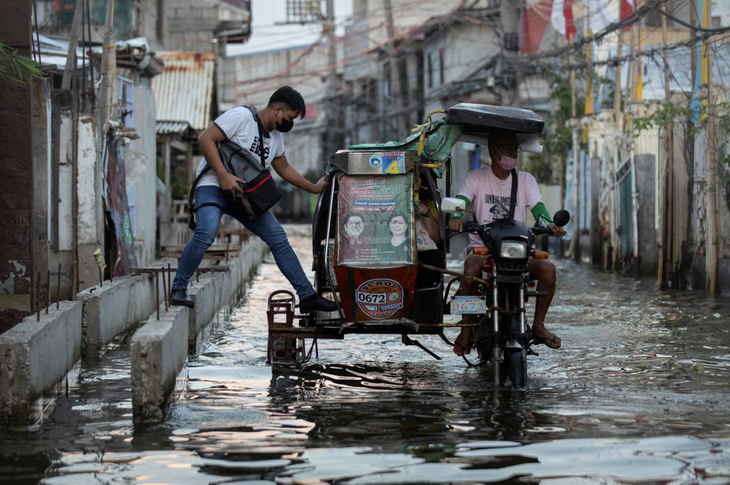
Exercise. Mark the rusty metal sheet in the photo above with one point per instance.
(184, 90)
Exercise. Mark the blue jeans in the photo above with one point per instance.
(265, 226)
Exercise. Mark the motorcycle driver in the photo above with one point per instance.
(487, 192)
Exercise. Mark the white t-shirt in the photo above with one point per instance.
(490, 197)
(239, 126)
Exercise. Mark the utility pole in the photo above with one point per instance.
(332, 136)
(577, 125)
(635, 256)
(510, 20)
(109, 61)
(394, 84)
(618, 114)
(617, 91)
(665, 252)
(711, 253)
(70, 70)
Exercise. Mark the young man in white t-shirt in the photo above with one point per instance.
(488, 191)
(239, 125)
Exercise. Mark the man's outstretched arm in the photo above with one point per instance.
(290, 174)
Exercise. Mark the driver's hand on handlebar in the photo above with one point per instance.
(229, 183)
(557, 231)
(456, 225)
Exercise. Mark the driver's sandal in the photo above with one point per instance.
(544, 341)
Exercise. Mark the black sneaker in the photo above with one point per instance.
(316, 303)
(179, 297)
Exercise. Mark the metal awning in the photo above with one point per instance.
(184, 90)
(172, 127)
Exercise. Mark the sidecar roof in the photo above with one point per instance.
(479, 119)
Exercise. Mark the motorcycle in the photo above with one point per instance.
(501, 335)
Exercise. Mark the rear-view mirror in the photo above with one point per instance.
(561, 218)
(452, 205)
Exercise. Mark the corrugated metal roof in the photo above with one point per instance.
(184, 90)
(171, 127)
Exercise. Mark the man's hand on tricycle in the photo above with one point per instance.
(456, 225)
(321, 185)
(557, 230)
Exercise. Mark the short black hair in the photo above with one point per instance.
(397, 214)
(350, 215)
(497, 136)
(291, 97)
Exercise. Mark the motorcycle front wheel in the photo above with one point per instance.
(514, 368)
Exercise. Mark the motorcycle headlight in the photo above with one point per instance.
(513, 250)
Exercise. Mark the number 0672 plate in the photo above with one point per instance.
(468, 305)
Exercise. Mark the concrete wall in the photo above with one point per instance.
(242, 75)
(141, 172)
(215, 291)
(595, 251)
(114, 308)
(90, 224)
(159, 348)
(699, 275)
(648, 252)
(465, 47)
(157, 355)
(16, 184)
(34, 356)
(189, 24)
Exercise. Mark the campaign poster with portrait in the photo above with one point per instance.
(375, 220)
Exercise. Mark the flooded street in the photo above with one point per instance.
(639, 393)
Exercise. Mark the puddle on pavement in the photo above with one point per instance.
(638, 394)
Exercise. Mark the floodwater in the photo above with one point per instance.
(638, 394)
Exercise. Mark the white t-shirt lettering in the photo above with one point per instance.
(240, 127)
(490, 197)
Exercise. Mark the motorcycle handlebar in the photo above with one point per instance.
(539, 230)
(474, 227)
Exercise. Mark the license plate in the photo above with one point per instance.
(461, 305)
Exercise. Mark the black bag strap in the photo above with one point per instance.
(191, 199)
(513, 197)
(260, 125)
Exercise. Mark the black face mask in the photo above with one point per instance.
(285, 126)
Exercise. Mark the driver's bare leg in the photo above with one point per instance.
(472, 267)
(544, 272)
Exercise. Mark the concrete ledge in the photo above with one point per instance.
(113, 308)
(207, 294)
(215, 291)
(34, 356)
(160, 347)
(158, 351)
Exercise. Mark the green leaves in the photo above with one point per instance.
(666, 115)
(15, 68)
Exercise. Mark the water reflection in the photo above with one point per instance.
(638, 394)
